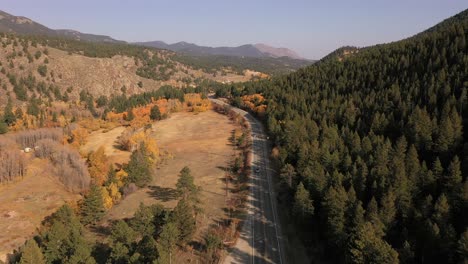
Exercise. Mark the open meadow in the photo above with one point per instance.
(199, 141)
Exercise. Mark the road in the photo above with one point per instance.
(261, 239)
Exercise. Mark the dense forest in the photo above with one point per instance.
(212, 63)
(373, 150)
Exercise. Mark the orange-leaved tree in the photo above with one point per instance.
(98, 166)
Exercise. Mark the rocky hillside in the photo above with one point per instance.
(27, 63)
(277, 52)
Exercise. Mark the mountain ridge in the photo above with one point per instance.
(25, 26)
(247, 50)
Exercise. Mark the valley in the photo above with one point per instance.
(137, 151)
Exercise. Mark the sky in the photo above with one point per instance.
(311, 28)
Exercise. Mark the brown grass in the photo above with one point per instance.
(24, 204)
(199, 141)
(108, 141)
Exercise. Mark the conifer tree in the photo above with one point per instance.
(453, 178)
(92, 209)
(334, 204)
(303, 205)
(184, 218)
(288, 174)
(8, 116)
(31, 253)
(186, 187)
(155, 113)
(167, 243)
(139, 167)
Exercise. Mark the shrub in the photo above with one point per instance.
(42, 70)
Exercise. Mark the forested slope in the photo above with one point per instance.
(373, 148)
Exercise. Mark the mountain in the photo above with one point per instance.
(25, 26)
(248, 50)
(277, 52)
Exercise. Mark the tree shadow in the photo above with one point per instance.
(162, 193)
(227, 169)
(100, 229)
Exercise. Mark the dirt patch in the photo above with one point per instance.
(24, 204)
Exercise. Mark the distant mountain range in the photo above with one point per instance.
(25, 26)
(248, 50)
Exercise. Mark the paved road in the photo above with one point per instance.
(261, 239)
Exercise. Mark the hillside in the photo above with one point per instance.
(101, 69)
(373, 148)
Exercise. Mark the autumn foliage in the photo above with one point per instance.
(255, 102)
(98, 166)
(195, 103)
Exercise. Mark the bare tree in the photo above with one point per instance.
(70, 168)
(29, 138)
(12, 165)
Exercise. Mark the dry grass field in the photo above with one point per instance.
(108, 141)
(199, 141)
(24, 204)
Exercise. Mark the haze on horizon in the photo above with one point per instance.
(311, 29)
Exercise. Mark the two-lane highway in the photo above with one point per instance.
(261, 239)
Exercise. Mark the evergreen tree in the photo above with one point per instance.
(92, 209)
(8, 116)
(155, 114)
(122, 233)
(303, 205)
(147, 249)
(212, 243)
(31, 253)
(370, 248)
(462, 246)
(388, 211)
(167, 243)
(185, 185)
(3, 127)
(334, 204)
(441, 211)
(288, 174)
(139, 167)
(453, 178)
(183, 217)
(149, 219)
(130, 115)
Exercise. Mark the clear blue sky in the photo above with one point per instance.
(312, 28)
